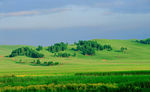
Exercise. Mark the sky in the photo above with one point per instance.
(45, 22)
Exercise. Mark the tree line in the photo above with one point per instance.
(57, 47)
(86, 48)
(64, 55)
(26, 51)
(145, 41)
(90, 47)
(45, 63)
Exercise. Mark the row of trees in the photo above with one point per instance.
(46, 63)
(58, 47)
(90, 47)
(86, 47)
(123, 49)
(64, 54)
(145, 41)
(26, 51)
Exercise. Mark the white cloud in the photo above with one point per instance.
(76, 16)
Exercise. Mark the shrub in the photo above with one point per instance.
(123, 49)
(39, 48)
(108, 47)
(89, 47)
(50, 63)
(62, 55)
(25, 51)
(57, 47)
(56, 63)
(45, 63)
(38, 62)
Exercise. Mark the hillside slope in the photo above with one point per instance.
(135, 58)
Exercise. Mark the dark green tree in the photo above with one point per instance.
(57, 47)
(26, 51)
(145, 41)
(38, 62)
(39, 48)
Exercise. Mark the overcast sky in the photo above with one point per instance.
(44, 22)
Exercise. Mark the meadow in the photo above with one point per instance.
(107, 71)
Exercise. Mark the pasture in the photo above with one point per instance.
(109, 69)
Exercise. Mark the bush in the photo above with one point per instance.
(62, 55)
(49, 63)
(56, 63)
(57, 47)
(38, 62)
(25, 51)
(123, 49)
(39, 48)
(74, 54)
(108, 47)
(88, 51)
(89, 47)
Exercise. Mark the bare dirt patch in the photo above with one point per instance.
(104, 60)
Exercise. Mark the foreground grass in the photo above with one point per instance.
(81, 73)
(118, 83)
(114, 73)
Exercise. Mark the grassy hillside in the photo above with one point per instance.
(107, 71)
(136, 58)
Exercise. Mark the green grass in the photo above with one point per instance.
(136, 58)
(114, 73)
(86, 83)
(131, 68)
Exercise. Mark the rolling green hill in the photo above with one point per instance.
(135, 58)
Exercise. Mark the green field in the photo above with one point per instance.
(80, 69)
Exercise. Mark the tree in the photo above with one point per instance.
(63, 55)
(89, 47)
(50, 63)
(74, 54)
(26, 51)
(108, 47)
(145, 41)
(39, 48)
(88, 51)
(123, 49)
(57, 47)
(38, 62)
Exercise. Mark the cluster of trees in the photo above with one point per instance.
(107, 47)
(39, 48)
(58, 47)
(145, 41)
(25, 51)
(46, 63)
(123, 49)
(64, 54)
(89, 47)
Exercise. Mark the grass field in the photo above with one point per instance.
(80, 69)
